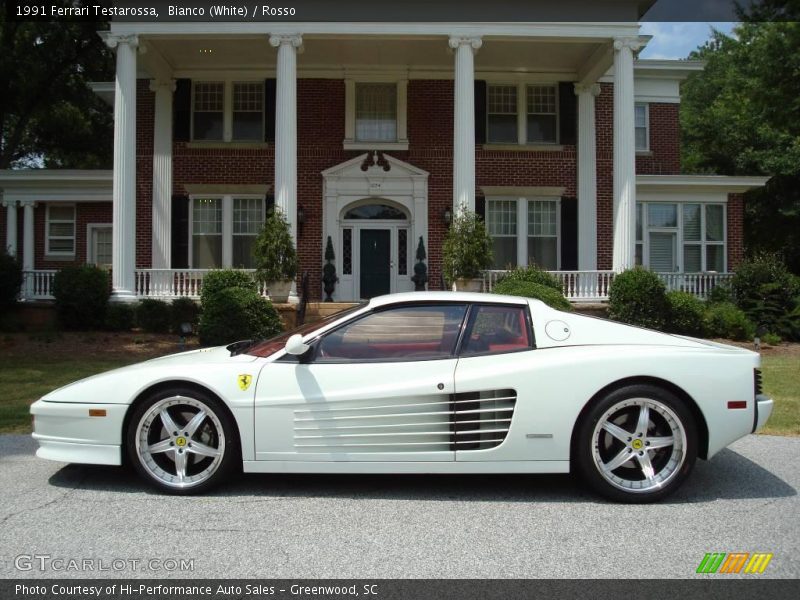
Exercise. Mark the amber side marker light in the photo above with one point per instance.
(97, 412)
(737, 404)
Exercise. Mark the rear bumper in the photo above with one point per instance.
(763, 407)
(66, 433)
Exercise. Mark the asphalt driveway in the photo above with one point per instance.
(293, 526)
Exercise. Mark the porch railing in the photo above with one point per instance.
(176, 283)
(37, 285)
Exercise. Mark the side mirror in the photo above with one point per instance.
(295, 345)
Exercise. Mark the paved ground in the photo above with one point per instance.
(745, 499)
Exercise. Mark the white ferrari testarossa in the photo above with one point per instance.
(425, 382)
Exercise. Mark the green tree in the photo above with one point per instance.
(741, 116)
(48, 114)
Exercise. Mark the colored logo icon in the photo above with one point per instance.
(734, 562)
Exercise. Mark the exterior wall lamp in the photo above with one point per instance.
(447, 216)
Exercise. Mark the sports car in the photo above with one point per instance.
(423, 382)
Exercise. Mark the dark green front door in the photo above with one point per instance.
(375, 262)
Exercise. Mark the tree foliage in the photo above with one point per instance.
(741, 116)
(48, 114)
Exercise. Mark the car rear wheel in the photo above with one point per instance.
(637, 444)
(182, 441)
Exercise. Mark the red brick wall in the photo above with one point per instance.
(604, 121)
(145, 114)
(85, 213)
(735, 230)
(664, 157)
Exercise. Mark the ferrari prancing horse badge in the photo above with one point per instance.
(244, 381)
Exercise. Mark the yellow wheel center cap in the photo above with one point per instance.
(181, 441)
(637, 444)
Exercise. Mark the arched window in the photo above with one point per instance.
(375, 211)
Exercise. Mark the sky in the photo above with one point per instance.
(676, 40)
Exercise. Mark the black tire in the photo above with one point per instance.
(208, 454)
(620, 411)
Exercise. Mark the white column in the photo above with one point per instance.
(286, 127)
(624, 155)
(27, 235)
(587, 178)
(162, 174)
(11, 226)
(124, 186)
(464, 123)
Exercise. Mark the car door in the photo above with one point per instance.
(495, 397)
(377, 388)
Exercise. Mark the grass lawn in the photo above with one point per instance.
(31, 366)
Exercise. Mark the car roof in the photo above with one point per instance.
(447, 297)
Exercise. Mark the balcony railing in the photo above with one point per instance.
(578, 286)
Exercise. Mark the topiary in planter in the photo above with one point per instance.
(81, 296)
(529, 289)
(234, 314)
(274, 251)
(467, 248)
(420, 277)
(686, 314)
(153, 315)
(638, 297)
(329, 278)
(10, 279)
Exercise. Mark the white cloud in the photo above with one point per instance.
(677, 40)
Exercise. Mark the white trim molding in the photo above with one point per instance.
(729, 184)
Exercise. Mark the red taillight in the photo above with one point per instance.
(737, 404)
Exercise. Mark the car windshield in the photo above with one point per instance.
(269, 346)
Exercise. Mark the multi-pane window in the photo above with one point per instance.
(542, 119)
(60, 230)
(501, 222)
(248, 111)
(502, 114)
(543, 234)
(527, 237)
(674, 237)
(209, 110)
(641, 126)
(376, 112)
(248, 218)
(207, 233)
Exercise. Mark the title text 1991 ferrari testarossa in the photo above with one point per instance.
(426, 382)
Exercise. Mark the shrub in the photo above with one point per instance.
(233, 314)
(766, 291)
(726, 320)
(534, 274)
(771, 339)
(10, 279)
(529, 289)
(221, 279)
(274, 251)
(153, 315)
(183, 310)
(120, 316)
(638, 297)
(467, 248)
(81, 296)
(686, 314)
(720, 293)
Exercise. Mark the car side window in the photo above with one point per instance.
(405, 333)
(497, 329)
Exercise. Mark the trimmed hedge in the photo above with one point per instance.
(221, 279)
(686, 314)
(10, 279)
(81, 296)
(235, 313)
(725, 320)
(638, 297)
(528, 289)
(534, 274)
(120, 316)
(183, 310)
(153, 315)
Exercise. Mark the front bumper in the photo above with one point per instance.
(66, 433)
(763, 411)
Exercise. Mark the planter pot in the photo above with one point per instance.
(279, 291)
(469, 285)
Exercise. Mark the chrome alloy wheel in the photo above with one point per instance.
(180, 442)
(639, 445)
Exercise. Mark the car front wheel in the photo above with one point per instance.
(637, 444)
(182, 441)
